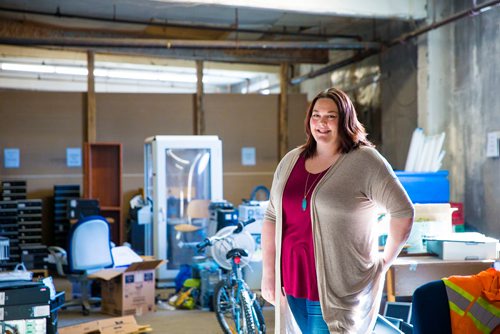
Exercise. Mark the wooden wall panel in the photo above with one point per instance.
(249, 120)
(244, 121)
(297, 108)
(130, 118)
(44, 124)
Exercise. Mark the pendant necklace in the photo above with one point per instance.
(307, 191)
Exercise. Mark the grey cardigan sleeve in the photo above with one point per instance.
(387, 191)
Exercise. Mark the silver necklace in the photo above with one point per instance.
(307, 191)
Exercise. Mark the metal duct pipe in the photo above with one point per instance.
(466, 13)
(186, 44)
(402, 39)
(183, 26)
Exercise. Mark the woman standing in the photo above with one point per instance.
(319, 236)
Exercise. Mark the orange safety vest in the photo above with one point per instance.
(474, 302)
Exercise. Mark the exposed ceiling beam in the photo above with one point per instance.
(150, 43)
(401, 9)
(13, 32)
(231, 51)
(266, 57)
(254, 52)
(177, 28)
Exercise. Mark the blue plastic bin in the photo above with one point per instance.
(426, 187)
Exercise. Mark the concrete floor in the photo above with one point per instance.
(164, 321)
(161, 321)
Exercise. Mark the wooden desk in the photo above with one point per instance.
(408, 273)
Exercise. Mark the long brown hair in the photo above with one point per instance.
(352, 133)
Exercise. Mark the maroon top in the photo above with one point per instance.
(298, 269)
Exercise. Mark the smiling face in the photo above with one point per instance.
(324, 122)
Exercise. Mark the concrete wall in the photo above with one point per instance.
(446, 81)
(476, 111)
(458, 85)
(398, 88)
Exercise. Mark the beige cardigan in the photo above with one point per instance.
(344, 209)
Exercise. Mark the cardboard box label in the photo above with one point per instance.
(41, 311)
(129, 279)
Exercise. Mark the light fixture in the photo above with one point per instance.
(217, 80)
(71, 70)
(27, 68)
(187, 76)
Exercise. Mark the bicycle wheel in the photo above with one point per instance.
(246, 305)
(232, 316)
(257, 310)
(228, 313)
(254, 320)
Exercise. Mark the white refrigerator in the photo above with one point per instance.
(178, 170)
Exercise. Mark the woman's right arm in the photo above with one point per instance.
(268, 260)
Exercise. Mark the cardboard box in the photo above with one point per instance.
(128, 291)
(431, 219)
(463, 246)
(119, 325)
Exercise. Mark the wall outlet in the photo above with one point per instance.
(492, 145)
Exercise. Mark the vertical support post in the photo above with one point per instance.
(389, 279)
(199, 113)
(91, 133)
(283, 112)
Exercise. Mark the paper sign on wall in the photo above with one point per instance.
(11, 158)
(73, 157)
(248, 156)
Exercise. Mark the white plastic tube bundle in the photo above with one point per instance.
(425, 153)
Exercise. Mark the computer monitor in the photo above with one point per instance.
(400, 310)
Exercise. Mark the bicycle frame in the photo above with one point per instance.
(235, 279)
(239, 301)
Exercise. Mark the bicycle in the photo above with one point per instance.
(235, 304)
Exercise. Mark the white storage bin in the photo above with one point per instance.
(430, 220)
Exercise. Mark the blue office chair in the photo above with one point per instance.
(89, 250)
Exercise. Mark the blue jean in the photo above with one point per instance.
(307, 314)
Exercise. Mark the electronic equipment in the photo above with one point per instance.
(79, 208)
(399, 310)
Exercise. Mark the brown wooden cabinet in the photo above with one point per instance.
(103, 181)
